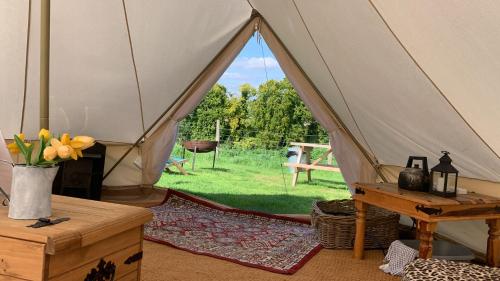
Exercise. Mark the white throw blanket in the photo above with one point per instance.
(397, 257)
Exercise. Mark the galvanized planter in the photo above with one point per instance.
(30, 195)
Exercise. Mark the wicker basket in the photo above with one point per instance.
(335, 223)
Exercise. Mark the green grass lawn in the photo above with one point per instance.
(254, 180)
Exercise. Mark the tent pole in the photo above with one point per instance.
(44, 63)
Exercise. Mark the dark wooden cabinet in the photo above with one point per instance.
(82, 178)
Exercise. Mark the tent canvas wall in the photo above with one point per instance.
(397, 78)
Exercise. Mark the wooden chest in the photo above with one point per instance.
(99, 239)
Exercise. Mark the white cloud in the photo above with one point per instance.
(234, 75)
(257, 62)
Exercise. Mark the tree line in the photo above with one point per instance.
(270, 116)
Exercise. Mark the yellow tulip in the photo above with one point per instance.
(45, 134)
(49, 153)
(74, 155)
(55, 143)
(65, 139)
(13, 148)
(65, 151)
(82, 142)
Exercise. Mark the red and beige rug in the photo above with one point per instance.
(274, 243)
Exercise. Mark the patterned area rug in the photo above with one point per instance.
(273, 243)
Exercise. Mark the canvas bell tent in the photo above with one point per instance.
(386, 78)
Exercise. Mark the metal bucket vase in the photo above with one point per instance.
(30, 195)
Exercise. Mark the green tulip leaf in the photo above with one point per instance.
(24, 149)
(43, 144)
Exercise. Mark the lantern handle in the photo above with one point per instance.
(445, 152)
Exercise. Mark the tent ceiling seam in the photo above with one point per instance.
(134, 64)
(248, 1)
(335, 82)
(26, 62)
(430, 80)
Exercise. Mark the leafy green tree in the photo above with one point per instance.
(269, 117)
(237, 113)
(200, 124)
(280, 116)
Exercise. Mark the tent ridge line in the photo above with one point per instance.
(335, 82)
(26, 63)
(336, 117)
(430, 80)
(250, 4)
(175, 104)
(134, 64)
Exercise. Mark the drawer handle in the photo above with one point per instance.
(134, 258)
(103, 271)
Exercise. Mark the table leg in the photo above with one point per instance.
(493, 249)
(425, 231)
(295, 177)
(308, 161)
(359, 242)
(417, 229)
(194, 157)
(180, 168)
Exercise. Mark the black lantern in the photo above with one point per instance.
(444, 177)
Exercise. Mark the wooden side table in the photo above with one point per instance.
(97, 232)
(428, 210)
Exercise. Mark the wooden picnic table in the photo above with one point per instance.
(306, 149)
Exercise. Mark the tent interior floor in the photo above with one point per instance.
(181, 265)
(134, 196)
(162, 262)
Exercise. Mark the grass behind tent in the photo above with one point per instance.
(253, 180)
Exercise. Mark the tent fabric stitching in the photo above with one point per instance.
(430, 80)
(26, 62)
(352, 158)
(250, 4)
(154, 156)
(335, 82)
(172, 108)
(133, 63)
(339, 123)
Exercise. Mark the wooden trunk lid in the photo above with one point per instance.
(90, 222)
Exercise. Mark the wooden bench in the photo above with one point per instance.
(305, 149)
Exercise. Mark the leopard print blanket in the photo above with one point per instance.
(434, 270)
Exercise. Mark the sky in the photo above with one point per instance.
(249, 67)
